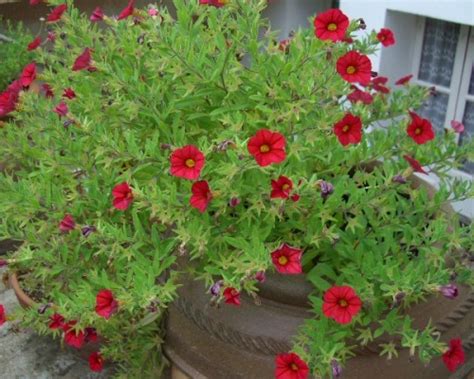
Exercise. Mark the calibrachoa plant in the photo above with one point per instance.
(194, 136)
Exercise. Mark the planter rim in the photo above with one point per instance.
(23, 298)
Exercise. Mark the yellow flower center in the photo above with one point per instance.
(418, 131)
(285, 187)
(283, 260)
(264, 148)
(343, 303)
(190, 163)
(346, 128)
(332, 27)
(350, 70)
(294, 367)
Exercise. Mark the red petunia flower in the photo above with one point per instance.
(355, 67)
(415, 165)
(386, 37)
(105, 304)
(9, 98)
(201, 196)
(33, 45)
(3, 316)
(69, 93)
(214, 3)
(420, 129)
(267, 147)
(287, 260)
(57, 13)
(457, 126)
(281, 188)
(56, 321)
(47, 90)
(127, 11)
(290, 366)
(403, 80)
(61, 109)
(187, 162)
(28, 75)
(341, 304)
(35, 2)
(51, 37)
(123, 196)
(91, 334)
(331, 25)
(232, 296)
(348, 130)
(73, 337)
(359, 95)
(67, 224)
(97, 15)
(96, 362)
(454, 356)
(378, 84)
(83, 61)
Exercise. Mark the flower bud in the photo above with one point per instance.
(88, 230)
(216, 288)
(450, 291)
(399, 179)
(233, 202)
(260, 276)
(336, 369)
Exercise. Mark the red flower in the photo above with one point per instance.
(9, 98)
(295, 197)
(51, 37)
(341, 304)
(105, 304)
(420, 129)
(290, 366)
(454, 356)
(123, 196)
(35, 2)
(355, 67)
(284, 45)
(69, 93)
(348, 130)
(378, 84)
(91, 334)
(201, 196)
(48, 91)
(67, 224)
(415, 165)
(97, 15)
(386, 37)
(214, 3)
(287, 260)
(33, 45)
(57, 321)
(403, 80)
(3, 316)
(457, 126)
(281, 188)
(96, 362)
(127, 11)
(73, 337)
(331, 25)
(57, 13)
(61, 109)
(362, 96)
(187, 162)
(232, 296)
(83, 61)
(267, 147)
(28, 75)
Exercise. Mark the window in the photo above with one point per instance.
(445, 60)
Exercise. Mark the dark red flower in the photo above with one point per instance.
(348, 130)
(420, 129)
(187, 162)
(3, 316)
(105, 304)
(403, 80)
(341, 304)
(67, 224)
(454, 356)
(33, 45)
(378, 84)
(97, 15)
(83, 61)
(267, 147)
(51, 36)
(56, 321)
(35, 2)
(287, 259)
(9, 98)
(127, 11)
(354, 67)
(386, 37)
(91, 334)
(359, 95)
(233, 202)
(214, 3)
(69, 93)
(3, 263)
(28, 75)
(415, 165)
(47, 90)
(331, 25)
(290, 366)
(123, 196)
(201, 196)
(61, 109)
(281, 188)
(96, 362)
(232, 296)
(295, 197)
(73, 337)
(57, 13)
